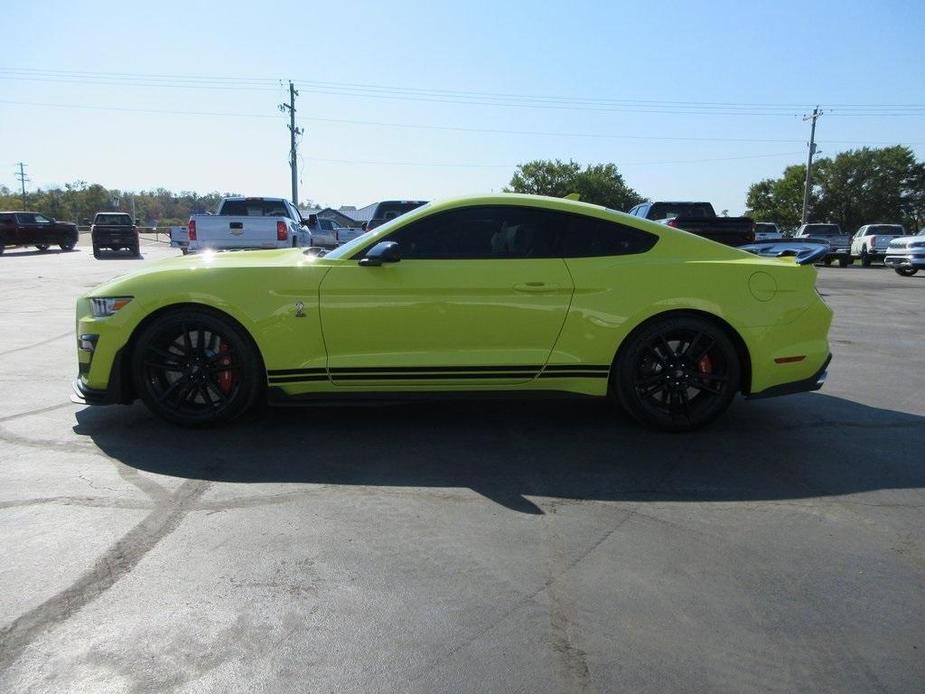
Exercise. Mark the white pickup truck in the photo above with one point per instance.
(871, 241)
(240, 223)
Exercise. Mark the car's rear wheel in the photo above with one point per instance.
(844, 261)
(196, 368)
(67, 246)
(677, 374)
(865, 259)
(906, 271)
(136, 250)
(827, 261)
(42, 247)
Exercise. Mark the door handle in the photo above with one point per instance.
(535, 287)
(236, 225)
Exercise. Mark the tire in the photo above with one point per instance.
(136, 251)
(843, 262)
(906, 271)
(827, 262)
(184, 251)
(67, 246)
(42, 247)
(677, 374)
(96, 251)
(2, 248)
(865, 259)
(115, 249)
(176, 368)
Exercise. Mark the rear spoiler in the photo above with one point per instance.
(803, 251)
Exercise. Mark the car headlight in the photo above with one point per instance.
(106, 306)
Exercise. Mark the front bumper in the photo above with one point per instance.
(905, 260)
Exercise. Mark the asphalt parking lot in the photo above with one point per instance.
(458, 547)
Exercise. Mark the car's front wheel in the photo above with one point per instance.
(42, 247)
(906, 271)
(67, 246)
(677, 374)
(195, 367)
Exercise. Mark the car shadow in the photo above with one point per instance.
(803, 446)
(20, 251)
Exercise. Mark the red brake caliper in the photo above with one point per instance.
(705, 365)
(225, 378)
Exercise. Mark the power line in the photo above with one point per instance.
(459, 97)
(450, 128)
(198, 80)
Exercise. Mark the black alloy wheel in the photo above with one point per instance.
(196, 368)
(677, 374)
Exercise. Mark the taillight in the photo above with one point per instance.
(873, 240)
(191, 229)
(281, 232)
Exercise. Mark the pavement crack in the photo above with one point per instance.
(116, 562)
(38, 344)
(40, 410)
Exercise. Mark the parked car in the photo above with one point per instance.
(322, 232)
(115, 231)
(388, 210)
(699, 218)
(767, 231)
(34, 229)
(838, 240)
(499, 294)
(241, 223)
(870, 242)
(347, 234)
(179, 238)
(906, 254)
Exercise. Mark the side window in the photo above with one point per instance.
(478, 233)
(6, 219)
(587, 237)
(26, 218)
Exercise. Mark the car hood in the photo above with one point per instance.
(908, 242)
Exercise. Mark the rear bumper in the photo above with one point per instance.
(814, 382)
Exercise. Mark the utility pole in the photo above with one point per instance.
(22, 179)
(809, 162)
(293, 133)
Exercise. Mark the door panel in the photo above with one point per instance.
(431, 322)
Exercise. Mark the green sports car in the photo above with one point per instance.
(492, 295)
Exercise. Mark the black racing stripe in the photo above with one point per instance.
(278, 380)
(295, 372)
(429, 377)
(431, 369)
(577, 367)
(575, 374)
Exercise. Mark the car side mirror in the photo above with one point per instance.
(382, 252)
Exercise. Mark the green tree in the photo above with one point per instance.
(779, 200)
(870, 185)
(600, 184)
(856, 187)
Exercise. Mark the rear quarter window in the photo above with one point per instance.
(588, 237)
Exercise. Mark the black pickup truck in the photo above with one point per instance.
(699, 218)
(114, 230)
(34, 229)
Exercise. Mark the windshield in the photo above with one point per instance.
(894, 229)
(826, 229)
(347, 249)
(666, 210)
(113, 219)
(766, 227)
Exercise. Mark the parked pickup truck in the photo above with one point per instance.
(699, 218)
(240, 223)
(906, 254)
(34, 229)
(114, 230)
(838, 240)
(871, 241)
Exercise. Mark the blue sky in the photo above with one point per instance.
(615, 78)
